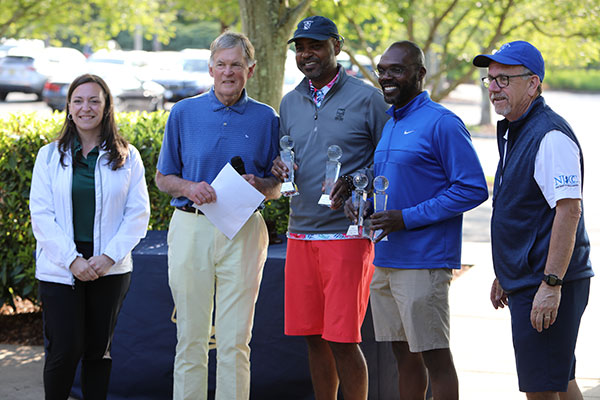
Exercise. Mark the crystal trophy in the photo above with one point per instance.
(359, 199)
(288, 187)
(380, 184)
(332, 172)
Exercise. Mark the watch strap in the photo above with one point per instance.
(552, 280)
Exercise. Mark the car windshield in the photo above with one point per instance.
(18, 60)
(107, 60)
(195, 65)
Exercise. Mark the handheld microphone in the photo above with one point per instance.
(238, 164)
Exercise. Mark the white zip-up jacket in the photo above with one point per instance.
(120, 221)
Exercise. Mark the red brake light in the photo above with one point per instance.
(53, 87)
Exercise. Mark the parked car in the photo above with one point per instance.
(55, 91)
(26, 70)
(129, 92)
(135, 60)
(8, 44)
(183, 74)
(292, 76)
(352, 69)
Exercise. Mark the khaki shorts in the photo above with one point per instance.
(411, 305)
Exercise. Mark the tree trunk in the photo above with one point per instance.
(269, 24)
(156, 44)
(138, 39)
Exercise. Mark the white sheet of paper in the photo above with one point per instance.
(236, 201)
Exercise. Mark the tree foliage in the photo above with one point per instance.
(268, 24)
(91, 22)
(451, 32)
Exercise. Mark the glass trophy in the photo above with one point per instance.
(380, 184)
(288, 187)
(332, 172)
(359, 199)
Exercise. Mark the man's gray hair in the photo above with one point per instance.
(229, 40)
(528, 71)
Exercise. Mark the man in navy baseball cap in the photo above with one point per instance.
(327, 272)
(515, 53)
(317, 28)
(537, 205)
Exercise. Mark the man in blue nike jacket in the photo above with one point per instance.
(426, 153)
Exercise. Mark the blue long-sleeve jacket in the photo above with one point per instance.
(426, 153)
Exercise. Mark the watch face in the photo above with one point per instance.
(552, 280)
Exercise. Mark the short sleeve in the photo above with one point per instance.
(558, 168)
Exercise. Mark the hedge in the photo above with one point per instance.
(21, 136)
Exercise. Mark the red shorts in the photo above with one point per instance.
(327, 288)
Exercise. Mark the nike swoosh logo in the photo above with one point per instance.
(407, 132)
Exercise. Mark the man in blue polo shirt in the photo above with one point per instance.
(426, 153)
(540, 247)
(203, 134)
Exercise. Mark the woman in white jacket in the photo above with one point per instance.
(89, 208)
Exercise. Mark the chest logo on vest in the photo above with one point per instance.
(339, 114)
(408, 132)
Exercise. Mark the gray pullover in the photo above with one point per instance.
(352, 116)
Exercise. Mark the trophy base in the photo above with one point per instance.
(288, 189)
(324, 200)
(356, 230)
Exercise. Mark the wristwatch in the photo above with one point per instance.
(552, 280)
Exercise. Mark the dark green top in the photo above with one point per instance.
(84, 192)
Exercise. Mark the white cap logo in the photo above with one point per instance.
(504, 46)
(307, 25)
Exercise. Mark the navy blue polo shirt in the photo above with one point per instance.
(202, 135)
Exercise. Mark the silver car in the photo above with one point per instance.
(26, 70)
(130, 93)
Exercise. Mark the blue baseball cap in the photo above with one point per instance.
(317, 28)
(515, 53)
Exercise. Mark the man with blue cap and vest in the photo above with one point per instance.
(540, 247)
(327, 272)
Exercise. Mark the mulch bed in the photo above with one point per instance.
(22, 326)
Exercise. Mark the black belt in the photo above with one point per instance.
(190, 209)
(194, 210)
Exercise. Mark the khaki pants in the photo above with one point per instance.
(202, 260)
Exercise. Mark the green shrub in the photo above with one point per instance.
(145, 131)
(587, 80)
(21, 136)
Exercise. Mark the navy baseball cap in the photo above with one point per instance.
(515, 53)
(317, 28)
